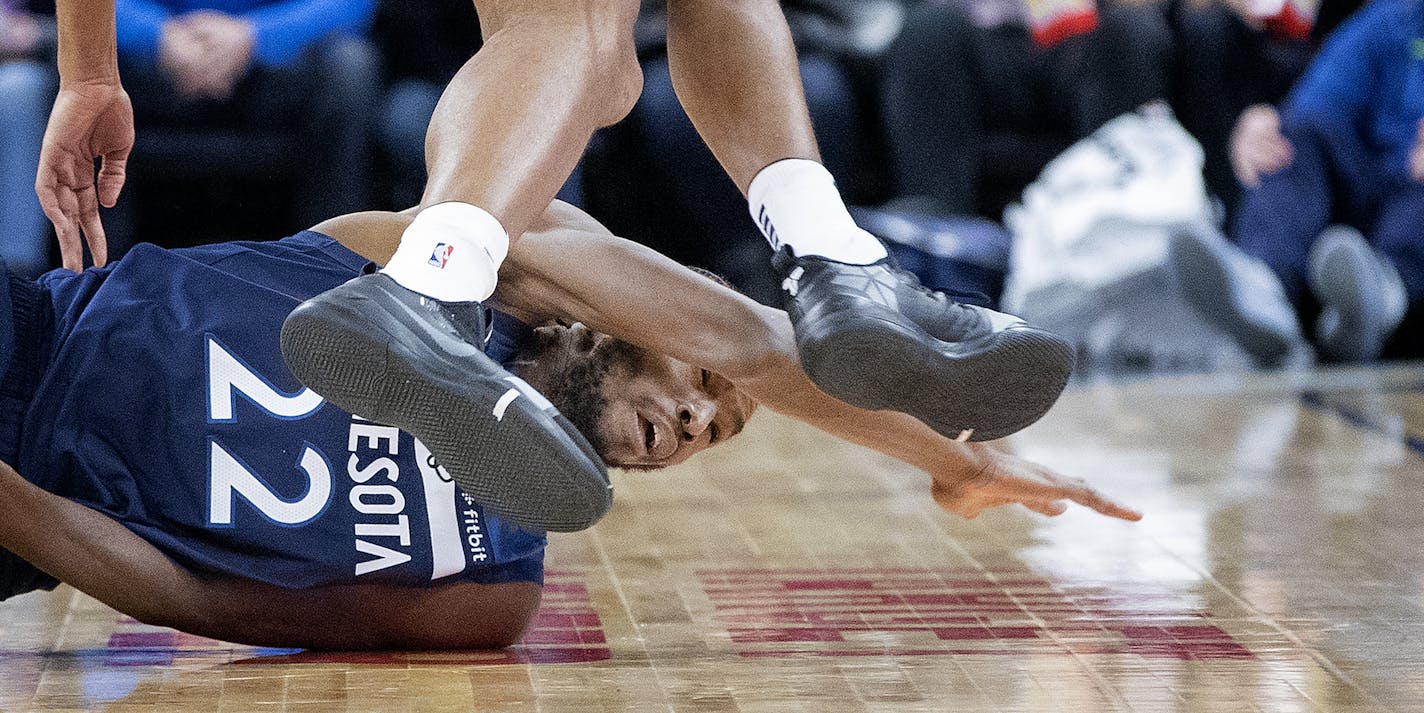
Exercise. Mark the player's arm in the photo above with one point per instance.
(570, 266)
(92, 117)
(95, 554)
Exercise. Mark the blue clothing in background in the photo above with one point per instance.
(1370, 76)
(1333, 178)
(282, 28)
(1351, 121)
(26, 93)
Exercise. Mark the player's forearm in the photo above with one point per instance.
(87, 550)
(100, 557)
(88, 51)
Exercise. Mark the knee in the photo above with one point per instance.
(595, 37)
(618, 80)
(611, 68)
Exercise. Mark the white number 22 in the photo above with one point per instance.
(228, 477)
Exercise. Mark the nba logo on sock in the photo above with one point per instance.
(441, 255)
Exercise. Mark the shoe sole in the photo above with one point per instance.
(1205, 279)
(532, 468)
(1000, 387)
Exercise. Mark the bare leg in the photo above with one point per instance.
(735, 71)
(863, 331)
(402, 346)
(513, 122)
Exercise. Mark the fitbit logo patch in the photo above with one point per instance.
(441, 255)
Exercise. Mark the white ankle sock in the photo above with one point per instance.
(452, 252)
(795, 203)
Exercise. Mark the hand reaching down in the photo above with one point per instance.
(1005, 480)
(88, 121)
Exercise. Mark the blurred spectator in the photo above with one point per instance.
(1233, 54)
(423, 44)
(980, 94)
(1351, 136)
(709, 224)
(254, 88)
(27, 85)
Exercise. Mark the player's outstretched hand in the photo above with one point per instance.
(88, 121)
(1007, 479)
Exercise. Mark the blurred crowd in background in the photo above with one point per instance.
(1179, 185)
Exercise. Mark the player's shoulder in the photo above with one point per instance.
(307, 248)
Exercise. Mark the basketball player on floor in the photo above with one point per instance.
(507, 133)
(175, 469)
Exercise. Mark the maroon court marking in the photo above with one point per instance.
(910, 612)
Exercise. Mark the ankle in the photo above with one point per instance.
(795, 203)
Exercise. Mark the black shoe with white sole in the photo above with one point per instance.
(872, 336)
(390, 355)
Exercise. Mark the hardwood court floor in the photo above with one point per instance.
(1279, 568)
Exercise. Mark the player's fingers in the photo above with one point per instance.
(65, 230)
(71, 249)
(1051, 508)
(112, 170)
(47, 189)
(93, 227)
(1090, 498)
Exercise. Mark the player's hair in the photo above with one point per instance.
(576, 389)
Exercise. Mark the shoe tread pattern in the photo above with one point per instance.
(530, 466)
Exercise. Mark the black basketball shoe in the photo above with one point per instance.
(393, 356)
(872, 336)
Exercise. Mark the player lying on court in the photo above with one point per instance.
(173, 468)
(508, 130)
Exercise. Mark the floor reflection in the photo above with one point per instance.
(1278, 569)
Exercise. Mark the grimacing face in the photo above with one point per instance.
(639, 410)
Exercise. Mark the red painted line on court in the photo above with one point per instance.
(855, 612)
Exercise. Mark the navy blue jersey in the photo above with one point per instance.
(167, 406)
